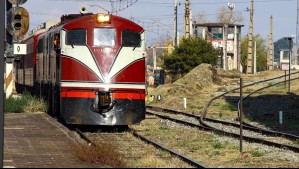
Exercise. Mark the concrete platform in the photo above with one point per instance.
(38, 141)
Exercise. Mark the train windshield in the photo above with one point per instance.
(104, 37)
(131, 38)
(76, 37)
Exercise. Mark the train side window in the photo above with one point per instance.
(76, 37)
(131, 38)
(40, 46)
(57, 42)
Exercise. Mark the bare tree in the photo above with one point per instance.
(201, 17)
(229, 17)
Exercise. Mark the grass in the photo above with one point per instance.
(257, 153)
(229, 107)
(103, 153)
(218, 146)
(212, 150)
(24, 104)
(277, 85)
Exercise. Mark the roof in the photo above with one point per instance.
(217, 25)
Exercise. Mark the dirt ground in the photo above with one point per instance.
(204, 82)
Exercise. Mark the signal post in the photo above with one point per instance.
(17, 25)
(2, 43)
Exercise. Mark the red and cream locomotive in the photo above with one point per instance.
(89, 67)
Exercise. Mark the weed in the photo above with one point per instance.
(216, 153)
(229, 107)
(218, 146)
(220, 114)
(249, 90)
(104, 153)
(257, 153)
(163, 128)
(24, 104)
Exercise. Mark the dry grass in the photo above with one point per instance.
(35, 105)
(212, 150)
(25, 104)
(103, 153)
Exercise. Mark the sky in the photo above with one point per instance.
(157, 16)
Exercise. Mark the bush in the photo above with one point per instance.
(24, 104)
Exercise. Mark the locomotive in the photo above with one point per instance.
(90, 68)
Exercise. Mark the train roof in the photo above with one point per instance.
(65, 19)
(42, 28)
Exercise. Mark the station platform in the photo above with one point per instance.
(38, 141)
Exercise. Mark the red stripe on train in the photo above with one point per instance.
(91, 94)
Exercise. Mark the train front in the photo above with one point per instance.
(102, 71)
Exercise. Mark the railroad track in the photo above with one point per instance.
(91, 139)
(209, 128)
(203, 125)
(247, 125)
(282, 134)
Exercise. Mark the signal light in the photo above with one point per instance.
(17, 21)
(18, 24)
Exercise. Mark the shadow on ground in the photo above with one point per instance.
(265, 110)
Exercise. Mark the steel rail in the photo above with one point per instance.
(157, 145)
(286, 135)
(246, 126)
(206, 127)
(85, 138)
(205, 110)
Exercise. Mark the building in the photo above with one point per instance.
(284, 60)
(218, 34)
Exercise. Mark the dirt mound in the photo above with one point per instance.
(199, 81)
(201, 76)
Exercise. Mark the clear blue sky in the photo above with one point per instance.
(157, 16)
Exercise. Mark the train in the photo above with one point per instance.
(90, 69)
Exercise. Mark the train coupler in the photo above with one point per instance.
(103, 103)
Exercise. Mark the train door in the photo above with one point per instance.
(54, 73)
(39, 66)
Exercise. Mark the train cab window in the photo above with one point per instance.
(104, 37)
(57, 42)
(131, 38)
(76, 37)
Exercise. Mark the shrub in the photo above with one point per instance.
(24, 104)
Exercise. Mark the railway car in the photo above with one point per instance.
(89, 67)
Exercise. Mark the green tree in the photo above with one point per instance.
(191, 53)
(261, 52)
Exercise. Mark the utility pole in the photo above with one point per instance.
(250, 40)
(187, 19)
(176, 24)
(225, 27)
(271, 47)
(155, 58)
(255, 58)
(2, 44)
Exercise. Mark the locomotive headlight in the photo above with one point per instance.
(103, 18)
